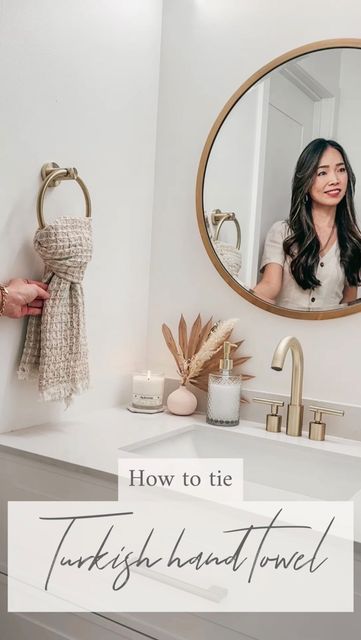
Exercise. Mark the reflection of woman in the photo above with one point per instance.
(22, 298)
(313, 260)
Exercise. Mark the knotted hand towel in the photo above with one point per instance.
(55, 344)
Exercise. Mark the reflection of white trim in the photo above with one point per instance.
(324, 118)
(304, 81)
(251, 259)
(325, 102)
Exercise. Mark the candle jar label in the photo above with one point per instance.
(143, 400)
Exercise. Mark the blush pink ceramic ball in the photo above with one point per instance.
(182, 402)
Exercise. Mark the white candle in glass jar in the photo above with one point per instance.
(148, 388)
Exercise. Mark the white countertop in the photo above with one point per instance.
(95, 441)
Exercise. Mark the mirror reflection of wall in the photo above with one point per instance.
(252, 161)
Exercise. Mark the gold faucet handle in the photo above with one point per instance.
(318, 411)
(317, 428)
(273, 420)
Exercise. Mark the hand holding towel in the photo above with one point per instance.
(55, 346)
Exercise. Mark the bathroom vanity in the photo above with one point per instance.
(78, 461)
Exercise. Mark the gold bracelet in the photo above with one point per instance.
(4, 295)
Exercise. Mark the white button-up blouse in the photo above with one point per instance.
(329, 272)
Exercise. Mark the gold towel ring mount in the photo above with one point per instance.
(218, 218)
(53, 175)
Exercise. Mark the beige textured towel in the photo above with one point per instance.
(229, 255)
(55, 346)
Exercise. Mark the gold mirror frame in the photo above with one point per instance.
(347, 43)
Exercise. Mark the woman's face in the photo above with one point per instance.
(330, 182)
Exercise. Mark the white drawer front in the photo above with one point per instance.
(58, 626)
(22, 478)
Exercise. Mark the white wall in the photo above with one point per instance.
(209, 48)
(79, 86)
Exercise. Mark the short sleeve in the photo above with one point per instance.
(273, 246)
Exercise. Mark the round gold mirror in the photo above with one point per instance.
(277, 207)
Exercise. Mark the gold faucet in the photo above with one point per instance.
(295, 408)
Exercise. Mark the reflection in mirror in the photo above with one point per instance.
(300, 247)
(230, 255)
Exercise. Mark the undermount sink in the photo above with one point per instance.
(273, 469)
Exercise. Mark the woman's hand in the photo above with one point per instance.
(25, 298)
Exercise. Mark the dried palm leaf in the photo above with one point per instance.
(238, 361)
(199, 356)
(236, 344)
(194, 337)
(182, 336)
(204, 334)
(173, 348)
(200, 384)
(200, 380)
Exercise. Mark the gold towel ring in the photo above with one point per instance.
(218, 218)
(53, 175)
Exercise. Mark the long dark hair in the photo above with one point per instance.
(303, 245)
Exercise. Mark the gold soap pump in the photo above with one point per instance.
(226, 363)
(224, 392)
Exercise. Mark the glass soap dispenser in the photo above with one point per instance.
(224, 393)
